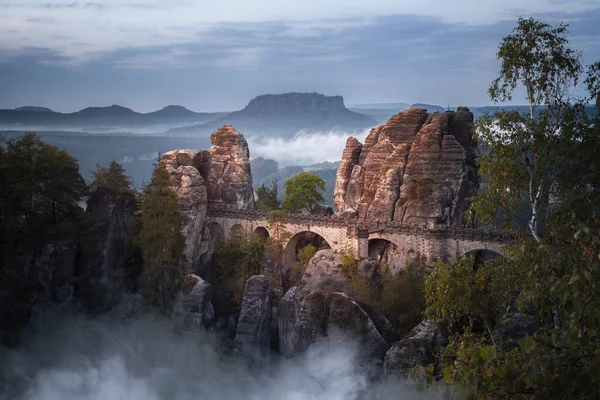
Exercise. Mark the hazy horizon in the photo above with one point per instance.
(144, 55)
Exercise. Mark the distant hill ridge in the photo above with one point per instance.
(114, 114)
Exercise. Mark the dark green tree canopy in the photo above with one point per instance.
(303, 192)
(39, 183)
(112, 177)
(266, 197)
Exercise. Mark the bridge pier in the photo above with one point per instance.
(362, 246)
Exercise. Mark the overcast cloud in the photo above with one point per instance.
(212, 56)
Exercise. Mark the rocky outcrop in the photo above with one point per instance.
(101, 271)
(220, 175)
(225, 168)
(193, 310)
(416, 168)
(420, 347)
(305, 317)
(253, 335)
(317, 307)
(192, 194)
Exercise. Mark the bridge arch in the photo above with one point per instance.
(262, 233)
(479, 256)
(237, 232)
(397, 258)
(301, 240)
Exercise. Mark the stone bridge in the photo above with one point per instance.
(357, 237)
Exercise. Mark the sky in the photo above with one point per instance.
(212, 55)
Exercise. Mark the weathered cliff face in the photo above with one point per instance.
(226, 169)
(220, 176)
(253, 334)
(417, 168)
(191, 191)
(193, 309)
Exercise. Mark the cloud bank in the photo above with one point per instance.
(304, 148)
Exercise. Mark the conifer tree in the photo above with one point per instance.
(112, 177)
(161, 239)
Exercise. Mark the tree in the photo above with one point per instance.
(112, 177)
(41, 184)
(550, 280)
(527, 154)
(161, 239)
(303, 192)
(266, 197)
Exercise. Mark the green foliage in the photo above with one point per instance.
(471, 299)
(112, 177)
(236, 261)
(533, 157)
(266, 197)
(553, 278)
(537, 56)
(562, 358)
(306, 253)
(161, 239)
(303, 192)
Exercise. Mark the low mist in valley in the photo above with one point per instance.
(70, 356)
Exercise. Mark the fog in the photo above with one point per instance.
(71, 356)
(304, 148)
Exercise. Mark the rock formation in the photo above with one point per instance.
(420, 347)
(191, 191)
(319, 308)
(219, 176)
(193, 310)
(253, 335)
(226, 169)
(416, 168)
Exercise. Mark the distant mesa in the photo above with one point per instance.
(286, 114)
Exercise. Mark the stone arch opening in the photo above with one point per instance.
(300, 241)
(217, 235)
(389, 255)
(480, 256)
(237, 232)
(261, 233)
